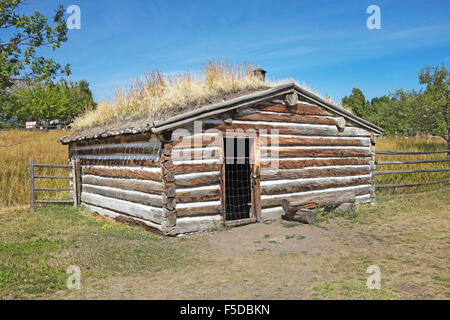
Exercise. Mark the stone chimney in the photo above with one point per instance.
(260, 73)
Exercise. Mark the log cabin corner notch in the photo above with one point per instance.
(142, 172)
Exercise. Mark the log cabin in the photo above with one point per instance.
(230, 162)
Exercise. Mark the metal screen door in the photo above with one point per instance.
(238, 173)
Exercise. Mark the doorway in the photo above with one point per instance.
(238, 178)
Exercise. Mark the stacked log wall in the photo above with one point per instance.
(197, 162)
(315, 157)
(121, 177)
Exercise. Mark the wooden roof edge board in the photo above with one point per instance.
(329, 106)
(239, 102)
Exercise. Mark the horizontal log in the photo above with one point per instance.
(290, 209)
(311, 196)
(410, 171)
(300, 108)
(290, 206)
(196, 166)
(255, 115)
(137, 149)
(198, 208)
(411, 185)
(315, 152)
(119, 157)
(271, 213)
(412, 161)
(209, 193)
(193, 224)
(121, 217)
(196, 141)
(240, 222)
(124, 161)
(125, 138)
(196, 154)
(290, 186)
(133, 209)
(140, 173)
(302, 163)
(286, 128)
(363, 199)
(147, 186)
(318, 172)
(411, 152)
(197, 179)
(303, 215)
(132, 196)
(292, 140)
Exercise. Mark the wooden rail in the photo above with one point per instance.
(74, 174)
(410, 171)
(410, 152)
(412, 161)
(385, 152)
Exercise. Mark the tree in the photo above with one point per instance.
(43, 102)
(27, 33)
(356, 102)
(432, 114)
(394, 113)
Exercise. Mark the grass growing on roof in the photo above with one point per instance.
(155, 94)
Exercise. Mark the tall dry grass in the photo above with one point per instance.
(155, 94)
(412, 144)
(16, 147)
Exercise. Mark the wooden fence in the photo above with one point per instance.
(411, 171)
(73, 177)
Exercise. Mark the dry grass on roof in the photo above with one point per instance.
(157, 97)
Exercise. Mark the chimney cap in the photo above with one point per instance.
(259, 72)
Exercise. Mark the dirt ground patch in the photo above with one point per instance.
(407, 237)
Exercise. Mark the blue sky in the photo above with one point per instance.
(323, 43)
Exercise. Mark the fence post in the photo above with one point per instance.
(372, 167)
(78, 178)
(31, 164)
(74, 184)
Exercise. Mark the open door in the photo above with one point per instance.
(239, 180)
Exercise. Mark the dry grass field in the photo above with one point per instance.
(412, 144)
(16, 147)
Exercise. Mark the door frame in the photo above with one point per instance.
(255, 211)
